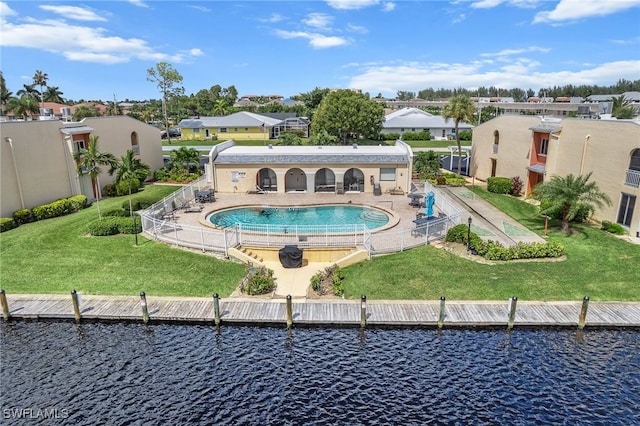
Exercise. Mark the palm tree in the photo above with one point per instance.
(569, 195)
(40, 78)
(89, 161)
(5, 94)
(53, 94)
(23, 106)
(220, 107)
(184, 157)
(460, 108)
(131, 170)
(29, 90)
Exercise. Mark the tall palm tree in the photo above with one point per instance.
(130, 169)
(5, 94)
(184, 157)
(220, 107)
(53, 94)
(23, 106)
(568, 195)
(460, 109)
(40, 78)
(89, 161)
(29, 90)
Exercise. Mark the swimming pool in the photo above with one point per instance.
(338, 217)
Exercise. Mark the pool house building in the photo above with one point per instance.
(310, 169)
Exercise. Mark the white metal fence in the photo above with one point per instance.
(158, 224)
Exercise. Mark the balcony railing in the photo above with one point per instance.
(633, 178)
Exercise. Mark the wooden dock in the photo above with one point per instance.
(325, 312)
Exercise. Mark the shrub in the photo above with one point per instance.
(122, 188)
(78, 202)
(614, 228)
(338, 286)
(161, 174)
(109, 190)
(416, 136)
(466, 135)
(328, 280)
(499, 185)
(391, 136)
(258, 281)
(22, 216)
(516, 186)
(104, 227)
(55, 209)
(125, 225)
(6, 223)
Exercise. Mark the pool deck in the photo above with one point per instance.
(244, 311)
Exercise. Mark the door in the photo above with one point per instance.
(494, 164)
(625, 211)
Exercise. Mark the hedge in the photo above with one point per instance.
(140, 203)
(493, 250)
(112, 225)
(6, 223)
(614, 228)
(60, 207)
(499, 185)
(22, 216)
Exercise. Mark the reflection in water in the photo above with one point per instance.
(177, 374)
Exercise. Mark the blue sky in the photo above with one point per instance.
(101, 49)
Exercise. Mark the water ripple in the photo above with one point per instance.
(131, 374)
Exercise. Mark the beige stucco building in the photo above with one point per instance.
(338, 169)
(536, 149)
(37, 157)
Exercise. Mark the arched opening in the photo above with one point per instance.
(134, 143)
(325, 180)
(496, 141)
(295, 180)
(267, 180)
(354, 180)
(634, 162)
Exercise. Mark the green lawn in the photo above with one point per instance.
(56, 256)
(598, 265)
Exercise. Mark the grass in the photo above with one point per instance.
(56, 256)
(598, 265)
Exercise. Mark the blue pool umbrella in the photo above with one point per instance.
(430, 200)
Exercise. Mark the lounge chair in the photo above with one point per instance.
(260, 190)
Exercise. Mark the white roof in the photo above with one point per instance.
(414, 118)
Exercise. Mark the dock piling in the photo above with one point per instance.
(512, 311)
(216, 308)
(145, 309)
(5, 305)
(583, 312)
(76, 305)
(289, 312)
(363, 311)
(441, 316)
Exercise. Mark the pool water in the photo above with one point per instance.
(281, 217)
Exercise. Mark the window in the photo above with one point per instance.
(134, 143)
(78, 145)
(544, 146)
(223, 130)
(195, 130)
(246, 129)
(235, 129)
(387, 174)
(401, 130)
(443, 133)
(625, 211)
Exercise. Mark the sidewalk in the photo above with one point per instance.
(489, 222)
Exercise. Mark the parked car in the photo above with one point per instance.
(174, 133)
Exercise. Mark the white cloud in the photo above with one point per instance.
(357, 29)
(203, 9)
(486, 4)
(388, 6)
(501, 55)
(317, 41)
(78, 43)
(320, 21)
(139, 3)
(74, 12)
(415, 76)
(571, 10)
(351, 4)
(5, 11)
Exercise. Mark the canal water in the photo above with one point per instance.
(132, 374)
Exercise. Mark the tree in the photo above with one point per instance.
(40, 79)
(89, 161)
(5, 94)
(113, 108)
(345, 112)
(220, 107)
(131, 170)
(53, 94)
(460, 109)
(426, 164)
(569, 195)
(622, 108)
(323, 138)
(167, 79)
(184, 158)
(85, 111)
(29, 90)
(23, 106)
(288, 138)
